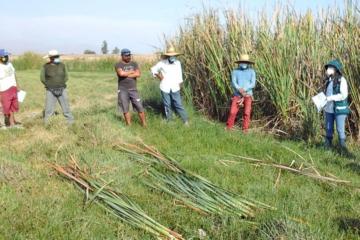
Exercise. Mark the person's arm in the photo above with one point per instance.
(155, 70)
(123, 73)
(343, 92)
(235, 84)
(17, 83)
(252, 81)
(66, 74)
(42, 75)
(134, 74)
(181, 79)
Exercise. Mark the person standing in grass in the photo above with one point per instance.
(8, 90)
(54, 76)
(243, 80)
(337, 106)
(128, 71)
(169, 72)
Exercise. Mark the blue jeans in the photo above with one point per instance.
(173, 98)
(340, 125)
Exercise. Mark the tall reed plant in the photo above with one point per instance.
(290, 51)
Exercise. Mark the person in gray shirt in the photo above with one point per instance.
(128, 71)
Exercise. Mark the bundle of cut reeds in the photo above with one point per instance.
(194, 191)
(114, 202)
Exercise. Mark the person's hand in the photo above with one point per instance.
(240, 102)
(242, 92)
(159, 76)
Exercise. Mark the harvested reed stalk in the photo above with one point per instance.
(193, 190)
(304, 172)
(202, 196)
(114, 202)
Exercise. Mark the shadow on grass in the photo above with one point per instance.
(355, 167)
(349, 224)
(155, 106)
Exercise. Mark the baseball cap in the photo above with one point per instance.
(4, 53)
(125, 52)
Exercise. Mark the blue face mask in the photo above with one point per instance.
(243, 66)
(172, 59)
(57, 60)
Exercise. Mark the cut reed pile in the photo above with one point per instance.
(114, 202)
(290, 50)
(196, 192)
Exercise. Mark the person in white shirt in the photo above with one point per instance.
(337, 106)
(8, 90)
(169, 72)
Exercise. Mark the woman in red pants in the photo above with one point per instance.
(243, 80)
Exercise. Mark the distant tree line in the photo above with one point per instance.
(104, 49)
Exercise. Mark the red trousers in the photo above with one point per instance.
(234, 109)
(9, 101)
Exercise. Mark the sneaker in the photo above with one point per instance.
(187, 124)
(3, 127)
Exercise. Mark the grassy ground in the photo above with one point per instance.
(37, 204)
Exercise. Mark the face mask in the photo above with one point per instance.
(171, 60)
(330, 71)
(5, 59)
(243, 66)
(57, 60)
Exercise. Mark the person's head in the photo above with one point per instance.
(333, 68)
(53, 56)
(4, 56)
(244, 62)
(171, 55)
(126, 55)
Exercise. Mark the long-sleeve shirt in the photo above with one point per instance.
(7, 77)
(172, 74)
(54, 75)
(329, 107)
(245, 79)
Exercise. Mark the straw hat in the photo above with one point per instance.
(245, 58)
(52, 53)
(171, 52)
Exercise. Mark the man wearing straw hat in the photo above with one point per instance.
(8, 90)
(169, 72)
(128, 71)
(243, 80)
(54, 76)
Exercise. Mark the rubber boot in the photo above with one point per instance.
(344, 151)
(127, 117)
(328, 143)
(142, 119)
(342, 143)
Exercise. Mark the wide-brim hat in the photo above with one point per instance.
(336, 64)
(52, 53)
(170, 52)
(4, 53)
(245, 58)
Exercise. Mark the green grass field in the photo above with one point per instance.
(36, 203)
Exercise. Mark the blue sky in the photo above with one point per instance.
(71, 26)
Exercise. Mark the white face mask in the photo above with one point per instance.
(330, 71)
(57, 60)
(243, 66)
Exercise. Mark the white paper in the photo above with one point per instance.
(319, 101)
(21, 95)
